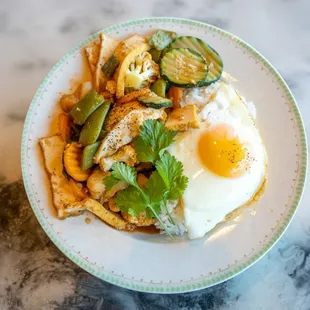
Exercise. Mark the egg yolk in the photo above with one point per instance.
(222, 152)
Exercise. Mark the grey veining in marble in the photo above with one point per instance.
(33, 36)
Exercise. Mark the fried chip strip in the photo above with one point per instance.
(92, 54)
(100, 211)
(63, 192)
(107, 47)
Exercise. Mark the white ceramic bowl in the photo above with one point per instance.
(153, 263)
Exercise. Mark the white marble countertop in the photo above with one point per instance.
(33, 36)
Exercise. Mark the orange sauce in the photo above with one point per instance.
(87, 220)
(151, 230)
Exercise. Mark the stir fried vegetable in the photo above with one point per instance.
(72, 162)
(115, 125)
(110, 66)
(86, 106)
(161, 39)
(88, 155)
(121, 79)
(93, 125)
(141, 73)
(183, 67)
(211, 56)
(155, 54)
(159, 88)
(175, 94)
(155, 102)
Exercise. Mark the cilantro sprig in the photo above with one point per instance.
(153, 140)
(135, 199)
(166, 183)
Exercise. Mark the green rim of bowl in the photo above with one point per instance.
(195, 284)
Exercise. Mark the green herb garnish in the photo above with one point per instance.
(153, 141)
(166, 183)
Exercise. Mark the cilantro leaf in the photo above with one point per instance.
(131, 200)
(155, 210)
(144, 151)
(171, 171)
(150, 130)
(169, 168)
(153, 140)
(121, 172)
(149, 213)
(165, 140)
(155, 188)
(110, 182)
(177, 188)
(167, 183)
(125, 173)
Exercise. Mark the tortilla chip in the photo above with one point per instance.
(103, 213)
(92, 55)
(107, 48)
(63, 193)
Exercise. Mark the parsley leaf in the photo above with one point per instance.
(153, 140)
(121, 172)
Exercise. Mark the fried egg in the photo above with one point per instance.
(225, 161)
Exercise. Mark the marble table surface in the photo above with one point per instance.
(33, 36)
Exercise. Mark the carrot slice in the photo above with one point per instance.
(64, 126)
(175, 93)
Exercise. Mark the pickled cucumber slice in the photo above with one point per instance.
(183, 67)
(211, 56)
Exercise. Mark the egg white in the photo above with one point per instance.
(210, 197)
